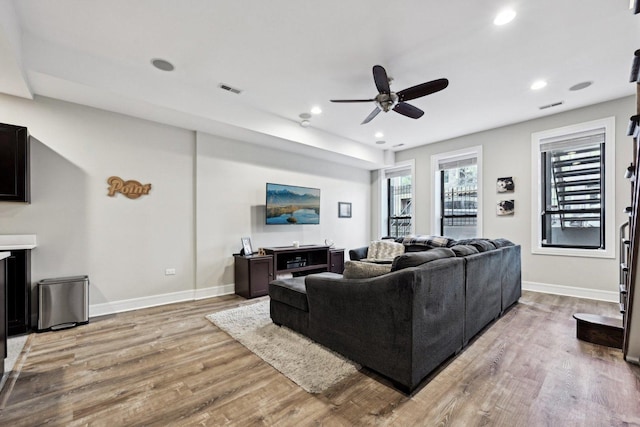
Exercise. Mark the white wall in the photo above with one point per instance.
(231, 182)
(507, 152)
(123, 245)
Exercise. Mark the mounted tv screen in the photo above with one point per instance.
(289, 204)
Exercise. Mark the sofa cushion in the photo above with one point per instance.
(428, 241)
(413, 259)
(383, 250)
(464, 250)
(290, 291)
(364, 270)
(502, 243)
(482, 245)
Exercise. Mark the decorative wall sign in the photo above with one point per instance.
(505, 185)
(505, 207)
(131, 189)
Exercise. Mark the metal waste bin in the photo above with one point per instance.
(63, 302)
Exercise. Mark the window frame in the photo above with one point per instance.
(608, 222)
(436, 159)
(408, 165)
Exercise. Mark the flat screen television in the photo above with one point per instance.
(290, 204)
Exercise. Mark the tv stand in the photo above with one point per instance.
(254, 272)
(300, 261)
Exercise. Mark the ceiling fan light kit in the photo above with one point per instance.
(387, 100)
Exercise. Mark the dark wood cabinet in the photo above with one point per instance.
(14, 164)
(18, 286)
(253, 274)
(337, 261)
(303, 260)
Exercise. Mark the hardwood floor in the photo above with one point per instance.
(170, 366)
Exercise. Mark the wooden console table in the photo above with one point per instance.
(254, 272)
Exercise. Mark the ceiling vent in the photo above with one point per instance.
(229, 88)
(555, 104)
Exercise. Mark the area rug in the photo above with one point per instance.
(308, 364)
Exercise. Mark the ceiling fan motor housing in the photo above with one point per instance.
(386, 101)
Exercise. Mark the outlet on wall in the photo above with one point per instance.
(170, 272)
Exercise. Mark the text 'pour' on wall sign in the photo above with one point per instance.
(131, 189)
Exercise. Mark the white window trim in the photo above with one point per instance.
(382, 191)
(435, 188)
(609, 190)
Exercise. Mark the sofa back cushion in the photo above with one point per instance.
(428, 241)
(364, 270)
(413, 259)
(502, 243)
(481, 244)
(464, 250)
(384, 250)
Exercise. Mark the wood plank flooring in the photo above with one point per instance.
(168, 366)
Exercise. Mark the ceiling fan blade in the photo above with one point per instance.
(408, 110)
(423, 89)
(381, 79)
(352, 100)
(371, 116)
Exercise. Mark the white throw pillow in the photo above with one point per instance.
(380, 250)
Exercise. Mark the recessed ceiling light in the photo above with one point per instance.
(162, 64)
(305, 123)
(381, 142)
(538, 84)
(305, 116)
(398, 145)
(580, 86)
(379, 135)
(504, 17)
(316, 110)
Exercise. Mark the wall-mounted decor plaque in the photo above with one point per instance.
(131, 189)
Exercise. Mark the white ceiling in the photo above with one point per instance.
(287, 56)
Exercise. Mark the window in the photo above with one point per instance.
(457, 212)
(397, 193)
(574, 169)
(399, 203)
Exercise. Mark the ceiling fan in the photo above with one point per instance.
(387, 100)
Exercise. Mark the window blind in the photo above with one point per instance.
(457, 162)
(573, 141)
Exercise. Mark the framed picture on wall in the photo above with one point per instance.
(344, 210)
(246, 246)
(505, 185)
(505, 207)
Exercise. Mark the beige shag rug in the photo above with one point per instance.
(308, 364)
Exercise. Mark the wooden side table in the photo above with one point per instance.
(253, 274)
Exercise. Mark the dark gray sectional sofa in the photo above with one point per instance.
(405, 323)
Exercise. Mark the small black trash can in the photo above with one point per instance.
(63, 302)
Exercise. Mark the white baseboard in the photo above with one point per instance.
(214, 291)
(156, 300)
(571, 291)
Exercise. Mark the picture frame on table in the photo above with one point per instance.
(246, 246)
(344, 210)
